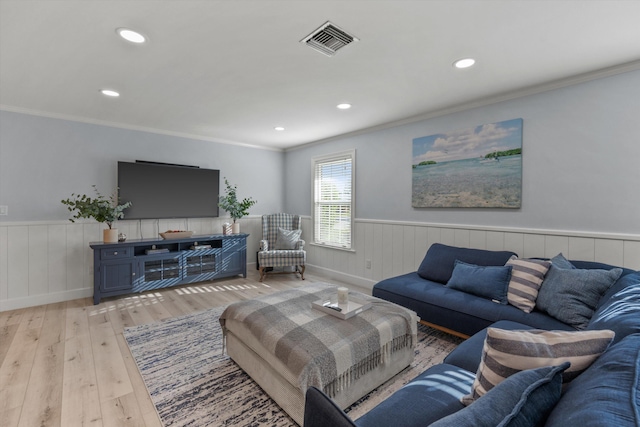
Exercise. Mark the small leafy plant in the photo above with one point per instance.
(102, 209)
(230, 203)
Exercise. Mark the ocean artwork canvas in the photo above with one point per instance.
(472, 168)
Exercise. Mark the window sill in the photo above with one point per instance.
(332, 247)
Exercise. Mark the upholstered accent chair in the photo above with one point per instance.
(281, 245)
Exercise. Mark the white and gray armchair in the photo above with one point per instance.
(281, 245)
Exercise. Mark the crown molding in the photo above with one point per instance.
(86, 120)
(483, 102)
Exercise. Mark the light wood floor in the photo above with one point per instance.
(68, 364)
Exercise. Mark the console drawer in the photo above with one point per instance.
(115, 253)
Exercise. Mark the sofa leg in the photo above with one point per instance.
(261, 273)
(443, 329)
(301, 271)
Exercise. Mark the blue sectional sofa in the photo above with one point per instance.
(604, 393)
(457, 312)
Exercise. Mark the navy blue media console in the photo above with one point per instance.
(145, 264)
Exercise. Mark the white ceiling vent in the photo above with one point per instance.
(328, 39)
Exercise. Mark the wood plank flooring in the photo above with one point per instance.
(68, 365)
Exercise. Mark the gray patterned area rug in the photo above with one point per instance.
(192, 383)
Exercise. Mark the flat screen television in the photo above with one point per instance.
(159, 190)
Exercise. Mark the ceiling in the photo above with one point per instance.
(231, 71)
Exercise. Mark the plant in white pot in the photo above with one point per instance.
(234, 207)
(102, 209)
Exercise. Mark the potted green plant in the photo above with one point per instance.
(102, 209)
(234, 207)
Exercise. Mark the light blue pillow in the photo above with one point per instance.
(523, 399)
(490, 282)
(440, 259)
(571, 295)
(287, 239)
(561, 262)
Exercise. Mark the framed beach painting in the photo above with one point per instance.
(472, 168)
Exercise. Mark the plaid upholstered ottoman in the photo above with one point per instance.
(286, 346)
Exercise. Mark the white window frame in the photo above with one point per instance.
(318, 238)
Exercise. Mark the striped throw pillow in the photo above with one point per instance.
(507, 352)
(526, 278)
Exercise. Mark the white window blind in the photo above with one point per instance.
(333, 200)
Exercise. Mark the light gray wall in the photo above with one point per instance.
(581, 162)
(43, 160)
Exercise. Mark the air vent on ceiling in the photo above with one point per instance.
(328, 39)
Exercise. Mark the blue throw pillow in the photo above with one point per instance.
(606, 394)
(621, 312)
(439, 261)
(561, 262)
(523, 399)
(484, 281)
(571, 295)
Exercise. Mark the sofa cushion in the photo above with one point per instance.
(430, 396)
(489, 282)
(523, 399)
(507, 352)
(591, 265)
(621, 312)
(619, 285)
(438, 263)
(526, 277)
(453, 309)
(571, 295)
(606, 394)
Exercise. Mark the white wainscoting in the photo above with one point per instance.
(47, 262)
(396, 248)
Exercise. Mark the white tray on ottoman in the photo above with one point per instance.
(346, 311)
(258, 358)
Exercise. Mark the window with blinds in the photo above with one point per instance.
(333, 195)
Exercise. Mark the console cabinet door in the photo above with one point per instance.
(234, 256)
(232, 262)
(201, 265)
(159, 271)
(116, 276)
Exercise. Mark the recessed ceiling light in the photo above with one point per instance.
(130, 35)
(343, 106)
(464, 63)
(279, 128)
(109, 92)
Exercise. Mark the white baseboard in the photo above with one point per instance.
(35, 300)
(343, 277)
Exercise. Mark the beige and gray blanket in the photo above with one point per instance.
(322, 350)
